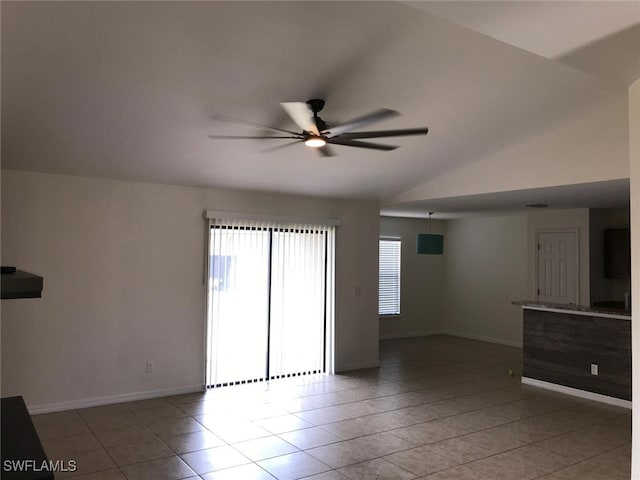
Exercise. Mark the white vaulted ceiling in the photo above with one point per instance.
(127, 89)
(550, 29)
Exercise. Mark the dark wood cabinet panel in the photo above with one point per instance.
(560, 348)
(617, 253)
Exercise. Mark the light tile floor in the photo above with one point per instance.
(437, 408)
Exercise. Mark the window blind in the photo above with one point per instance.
(389, 277)
(270, 301)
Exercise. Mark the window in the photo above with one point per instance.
(269, 300)
(389, 277)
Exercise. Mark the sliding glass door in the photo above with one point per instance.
(267, 301)
(297, 302)
(238, 304)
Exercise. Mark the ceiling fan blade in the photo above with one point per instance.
(359, 122)
(357, 143)
(247, 137)
(302, 115)
(222, 118)
(326, 151)
(279, 147)
(385, 133)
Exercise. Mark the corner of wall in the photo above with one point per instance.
(634, 157)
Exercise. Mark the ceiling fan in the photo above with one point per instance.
(319, 135)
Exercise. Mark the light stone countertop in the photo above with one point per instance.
(576, 309)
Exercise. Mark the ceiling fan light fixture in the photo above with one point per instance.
(316, 134)
(315, 142)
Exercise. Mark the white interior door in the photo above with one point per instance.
(558, 267)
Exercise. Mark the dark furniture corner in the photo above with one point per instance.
(20, 442)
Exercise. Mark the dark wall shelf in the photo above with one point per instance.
(20, 285)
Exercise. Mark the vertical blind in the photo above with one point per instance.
(389, 277)
(238, 303)
(270, 300)
(297, 300)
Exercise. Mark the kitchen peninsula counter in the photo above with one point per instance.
(580, 350)
(575, 309)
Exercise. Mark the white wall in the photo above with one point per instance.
(548, 220)
(123, 267)
(590, 149)
(421, 282)
(634, 155)
(488, 263)
(485, 270)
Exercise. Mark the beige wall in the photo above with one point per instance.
(485, 270)
(123, 267)
(488, 263)
(421, 281)
(634, 155)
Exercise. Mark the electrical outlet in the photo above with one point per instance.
(594, 369)
(150, 366)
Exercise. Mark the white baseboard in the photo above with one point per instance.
(409, 335)
(577, 393)
(356, 366)
(109, 399)
(500, 341)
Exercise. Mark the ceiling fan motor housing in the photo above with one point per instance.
(316, 105)
(320, 124)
